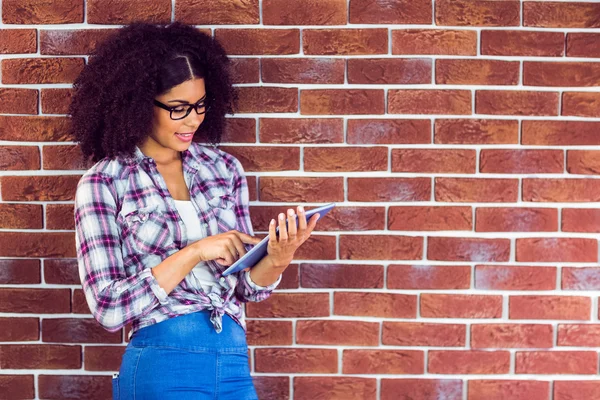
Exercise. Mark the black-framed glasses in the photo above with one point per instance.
(183, 110)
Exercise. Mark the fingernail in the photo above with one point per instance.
(301, 209)
(290, 212)
(281, 216)
(272, 222)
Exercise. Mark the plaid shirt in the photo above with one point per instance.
(126, 222)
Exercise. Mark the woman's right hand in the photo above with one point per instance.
(224, 248)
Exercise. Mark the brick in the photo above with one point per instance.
(389, 71)
(345, 159)
(389, 131)
(434, 161)
(259, 41)
(581, 44)
(423, 334)
(39, 188)
(389, 189)
(468, 249)
(267, 100)
(579, 335)
(24, 244)
(381, 305)
(511, 336)
(434, 42)
(252, 187)
(18, 41)
(508, 389)
(56, 101)
(460, 306)
(468, 362)
(303, 190)
(429, 218)
(516, 102)
(296, 360)
(520, 219)
(79, 302)
(554, 14)
(245, 70)
(338, 333)
(476, 131)
(301, 130)
(342, 101)
(380, 247)
(40, 12)
(34, 129)
(20, 271)
(556, 362)
(41, 70)
(269, 333)
(429, 101)
(290, 279)
(550, 307)
(121, 13)
(476, 190)
(421, 389)
(330, 387)
(17, 386)
(40, 356)
(522, 161)
(565, 390)
(266, 158)
(77, 330)
(561, 73)
(522, 43)
(345, 41)
(21, 216)
(290, 305)
(19, 330)
(103, 358)
(18, 158)
(35, 301)
(500, 277)
(217, 12)
(18, 101)
(317, 248)
(476, 72)
(341, 276)
(581, 104)
(61, 271)
(239, 130)
(304, 71)
(71, 41)
(74, 386)
(304, 12)
(428, 277)
(272, 387)
(65, 157)
(398, 12)
(580, 278)
(556, 250)
(561, 133)
(477, 13)
(397, 362)
(60, 216)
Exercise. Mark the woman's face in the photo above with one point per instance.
(166, 132)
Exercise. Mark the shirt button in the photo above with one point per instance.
(222, 280)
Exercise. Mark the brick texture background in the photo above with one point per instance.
(459, 137)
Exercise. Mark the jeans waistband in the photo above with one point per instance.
(193, 332)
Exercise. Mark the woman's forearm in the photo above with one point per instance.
(265, 273)
(174, 268)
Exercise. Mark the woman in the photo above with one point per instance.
(159, 217)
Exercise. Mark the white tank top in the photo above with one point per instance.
(200, 272)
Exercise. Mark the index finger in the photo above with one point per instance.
(245, 238)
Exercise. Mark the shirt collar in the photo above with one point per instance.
(188, 157)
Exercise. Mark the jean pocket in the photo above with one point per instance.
(115, 386)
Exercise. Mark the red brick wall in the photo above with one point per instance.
(460, 139)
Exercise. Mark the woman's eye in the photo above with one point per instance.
(179, 109)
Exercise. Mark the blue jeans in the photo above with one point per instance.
(185, 358)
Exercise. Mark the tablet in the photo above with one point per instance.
(251, 258)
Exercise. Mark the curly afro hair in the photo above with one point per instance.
(112, 106)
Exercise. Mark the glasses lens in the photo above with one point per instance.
(179, 112)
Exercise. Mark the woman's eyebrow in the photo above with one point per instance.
(184, 101)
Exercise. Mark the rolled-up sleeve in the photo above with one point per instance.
(114, 298)
(246, 289)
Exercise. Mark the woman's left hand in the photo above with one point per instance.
(282, 248)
